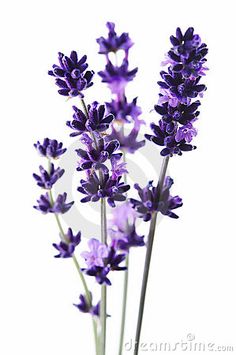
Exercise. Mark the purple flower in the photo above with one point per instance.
(97, 120)
(118, 166)
(98, 252)
(180, 85)
(186, 133)
(122, 228)
(50, 148)
(117, 77)
(179, 88)
(182, 114)
(114, 42)
(148, 202)
(59, 206)
(44, 204)
(71, 75)
(66, 248)
(187, 54)
(47, 179)
(95, 156)
(128, 142)
(164, 134)
(103, 186)
(102, 259)
(124, 111)
(86, 307)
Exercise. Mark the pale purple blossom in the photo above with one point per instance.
(98, 252)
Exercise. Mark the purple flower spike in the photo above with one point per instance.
(118, 166)
(102, 259)
(125, 112)
(97, 120)
(179, 86)
(117, 77)
(47, 179)
(59, 206)
(103, 186)
(50, 148)
(85, 307)
(122, 228)
(44, 204)
(148, 202)
(66, 248)
(98, 252)
(95, 157)
(114, 42)
(71, 75)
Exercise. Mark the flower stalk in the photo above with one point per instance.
(78, 268)
(151, 235)
(103, 287)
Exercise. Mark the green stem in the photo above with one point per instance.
(104, 288)
(76, 263)
(125, 286)
(148, 257)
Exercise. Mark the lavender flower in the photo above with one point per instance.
(71, 75)
(97, 120)
(122, 228)
(66, 248)
(104, 186)
(129, 142)
(118, 166)
(124, 111)
(59, 206)
(102, 259)
(47, 179)
(148, 202)
(179, 86)
(86, 307)
(188, 53)
(50, 148)
(95, 156)
(114, 42)
(44, 204)
(117, 77)
(98, 252)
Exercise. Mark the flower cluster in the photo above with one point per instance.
(101, 161)
(114, 42)
(101, 259)
(86, 307)
(179, 86)
(117, 77)
(71, 74)
(122, 229)
(68, 244)
(149, 201)
(94, 121)
(50, 149)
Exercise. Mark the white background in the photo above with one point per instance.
(192, 281)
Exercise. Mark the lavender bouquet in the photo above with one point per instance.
(106, 133)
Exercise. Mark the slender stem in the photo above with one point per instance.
(125, 286)
(86, 290)
(104, 288)
(124, 305)
(148, 257)
(84, 107)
